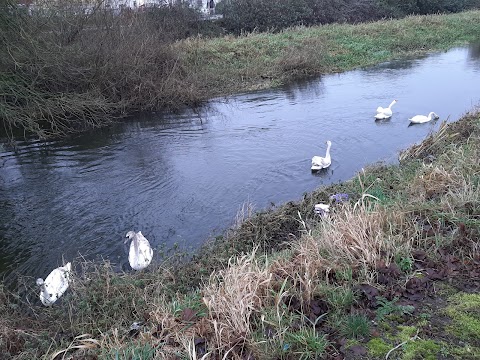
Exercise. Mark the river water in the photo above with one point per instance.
(180, 178)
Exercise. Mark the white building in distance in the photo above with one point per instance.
(206, 6)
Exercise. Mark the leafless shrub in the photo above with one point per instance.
(65, 69)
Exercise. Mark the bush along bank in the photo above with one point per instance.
(394, 272)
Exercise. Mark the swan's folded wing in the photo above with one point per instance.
(317, 160)
(56, 284)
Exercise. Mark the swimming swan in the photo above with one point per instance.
(140, 253)
(319, 162)
(385, 113)
(418, 119)
(55, 284)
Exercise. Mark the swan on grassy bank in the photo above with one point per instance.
(140, 253)
(385, 113)
(319, 162)
(55, 284)
(322, 209)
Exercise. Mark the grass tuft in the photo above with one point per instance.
(356, 326)
(232, 296)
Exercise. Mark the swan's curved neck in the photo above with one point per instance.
(391, 104)
(135, 243)
(328, 150)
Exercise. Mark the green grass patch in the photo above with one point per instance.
(261, 60)
(305, 344)
(422, 349)
(356, 326)
(387, 307)
(132, 352)
(464, 310)
(340, 298)
(377, 347)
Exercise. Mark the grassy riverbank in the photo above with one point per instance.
(54, 83)
(232, 64)
(395, 271)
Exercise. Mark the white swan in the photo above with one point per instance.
(418, 119)
(322, 209)
(140, 253)
(385, 113)
(319, 162)
(55, 284)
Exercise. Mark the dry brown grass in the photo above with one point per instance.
(301, 60)
(361, 236)
(232, 296)
(434, 181)
(355, 236)
(452, 177)
(244, 213)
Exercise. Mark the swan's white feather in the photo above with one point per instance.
(322, 209)
(55, 284)
(140, 253)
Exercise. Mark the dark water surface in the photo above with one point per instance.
(181, 178)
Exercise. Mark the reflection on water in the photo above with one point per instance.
(305, 90)
(474, 54)
(180, 178)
